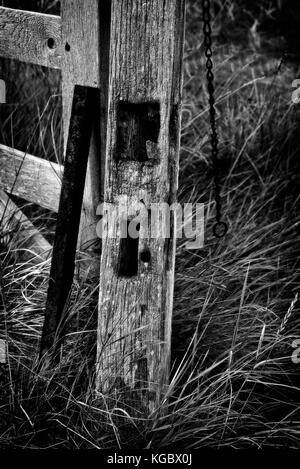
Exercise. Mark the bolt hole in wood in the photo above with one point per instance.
(145, 256)
(137, 124)
(67, 47)
(51, 43)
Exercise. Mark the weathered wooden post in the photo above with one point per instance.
(136, 275)
(66, 235)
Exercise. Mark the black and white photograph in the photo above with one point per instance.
(149, 227)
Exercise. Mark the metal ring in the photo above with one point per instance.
(220, 229)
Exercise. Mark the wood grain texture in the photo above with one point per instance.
(30, 37)
(135, 311)
(24, 240)
(85, 43)
(31, 178)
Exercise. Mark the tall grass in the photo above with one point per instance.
(236, 312)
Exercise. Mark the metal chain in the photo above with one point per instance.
(220, 228)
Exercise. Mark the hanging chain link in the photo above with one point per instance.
(220, 227)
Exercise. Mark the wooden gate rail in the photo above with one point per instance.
(31, 37)
(25, 242)
(33, 179)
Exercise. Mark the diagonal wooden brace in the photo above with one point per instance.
(63, 258)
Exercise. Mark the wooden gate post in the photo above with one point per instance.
(85, 37)
(136, 275)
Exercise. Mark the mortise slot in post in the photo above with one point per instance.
(137, 124)
(174, 125)
(128, 256)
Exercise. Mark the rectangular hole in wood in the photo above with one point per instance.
(137, 124)
(128, 256)
(174, 126)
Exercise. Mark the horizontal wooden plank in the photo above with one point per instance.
(31, 37)
(24, 240)
(33, 179)
(36, 38)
